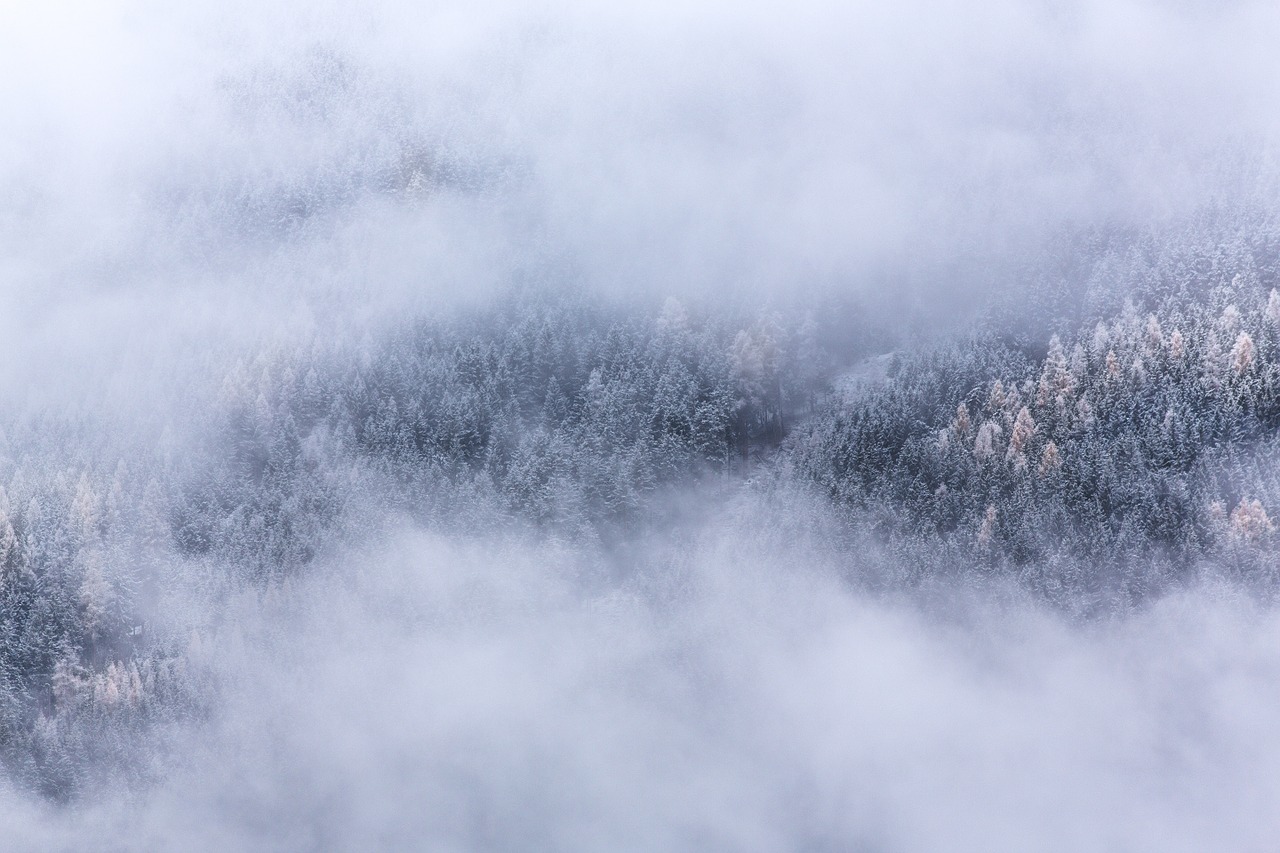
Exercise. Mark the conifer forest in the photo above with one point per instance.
(688, 426)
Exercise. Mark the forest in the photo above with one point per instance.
(1097, 469)
(681, 429)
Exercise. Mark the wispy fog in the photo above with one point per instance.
(423, 694)
(667, 147)
(514, 426)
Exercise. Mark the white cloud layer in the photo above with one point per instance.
(429, 694)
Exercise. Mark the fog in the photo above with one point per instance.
(430, 695)
(344, 504)
(670, 148)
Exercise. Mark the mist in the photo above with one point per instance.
(443, 696)
(718, 426)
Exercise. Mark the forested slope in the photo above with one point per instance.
(1097, 467)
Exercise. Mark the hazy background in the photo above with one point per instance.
(267, 152)
(184, 186)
